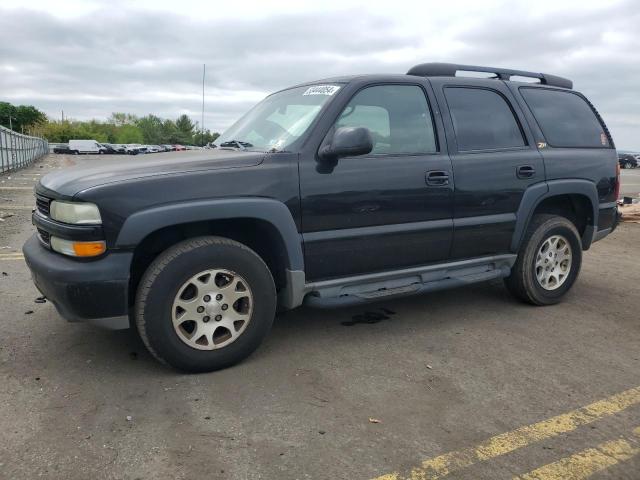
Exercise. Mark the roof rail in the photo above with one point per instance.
(450, 69)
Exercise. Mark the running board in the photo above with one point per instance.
(361, 289)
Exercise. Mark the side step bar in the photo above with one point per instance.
(399, 283)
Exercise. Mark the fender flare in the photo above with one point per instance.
(145, 222)
(540, 191)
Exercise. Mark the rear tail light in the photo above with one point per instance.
(616, 190)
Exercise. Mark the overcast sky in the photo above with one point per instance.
(94, 57)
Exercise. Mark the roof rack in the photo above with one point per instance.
(450, 69)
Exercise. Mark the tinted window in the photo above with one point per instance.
(398, 117)
(482, 119)
(565, 119)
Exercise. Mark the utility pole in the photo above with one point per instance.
(204, 68)
(10, 124)
(62, 115)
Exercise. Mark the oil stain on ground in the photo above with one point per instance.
(369, 317)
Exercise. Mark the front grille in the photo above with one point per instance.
(42, 204)
(45, 237)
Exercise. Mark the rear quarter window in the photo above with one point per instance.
(565, 118)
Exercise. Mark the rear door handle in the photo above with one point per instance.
(437, 178)
(525, 171)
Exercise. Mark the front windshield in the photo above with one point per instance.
(279, 120)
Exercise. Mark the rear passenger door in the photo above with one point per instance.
(494, 160)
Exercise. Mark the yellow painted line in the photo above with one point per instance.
(11, 256)
(447, 463)
(16, 207)
(16, 188)
(587, 462)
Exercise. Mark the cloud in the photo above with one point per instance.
(112, 57)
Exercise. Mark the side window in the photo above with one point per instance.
(398, 117)
(482, 119)
(565, 119)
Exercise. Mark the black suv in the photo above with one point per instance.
(332, 193)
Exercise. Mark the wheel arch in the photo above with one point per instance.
(264, 225)
(576, 196)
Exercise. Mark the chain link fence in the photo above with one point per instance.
(19, 151)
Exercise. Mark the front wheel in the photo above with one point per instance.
(548, 262)
(205, 304)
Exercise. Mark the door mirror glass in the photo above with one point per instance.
(347, 142)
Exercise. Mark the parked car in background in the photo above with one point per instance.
(136, 149)
(179, 148)
(628, 160)
(109, 149)
(61, 148)
(153, 149)
(168, 148)
(86, 146)
(118, 149)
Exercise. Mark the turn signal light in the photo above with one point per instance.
(78, 249)
(89, 249)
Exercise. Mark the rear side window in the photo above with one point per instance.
(565, 118)
(482, 119)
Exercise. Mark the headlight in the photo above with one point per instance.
(75, 213)
(78, 249)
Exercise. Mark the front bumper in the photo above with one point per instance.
(94, 291)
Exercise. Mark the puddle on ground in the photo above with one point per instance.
(369, 317)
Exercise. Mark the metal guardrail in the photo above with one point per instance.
(19, 151)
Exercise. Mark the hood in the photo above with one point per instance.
(99, 170)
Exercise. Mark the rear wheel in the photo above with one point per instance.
(205, 304)
(548, 262)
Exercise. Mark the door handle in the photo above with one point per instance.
(437, 178)
(525, 171)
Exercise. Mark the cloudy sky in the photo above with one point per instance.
(94, 57)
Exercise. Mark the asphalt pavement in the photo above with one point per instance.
(465, 384)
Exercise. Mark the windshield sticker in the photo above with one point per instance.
(322, 90)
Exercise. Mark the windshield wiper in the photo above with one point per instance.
(235, 144)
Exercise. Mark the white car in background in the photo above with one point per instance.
(86, 146)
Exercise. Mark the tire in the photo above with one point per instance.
(160, 290)
(524, 282)
(626, 165)
(76, 152)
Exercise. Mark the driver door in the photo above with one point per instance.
(389, 209)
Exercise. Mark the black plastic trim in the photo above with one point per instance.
(145, 222)
(67, 231)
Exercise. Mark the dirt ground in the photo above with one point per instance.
(464, 384)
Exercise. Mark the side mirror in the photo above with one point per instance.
(347, 142)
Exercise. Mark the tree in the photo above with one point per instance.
(23, 117)
(207, 138)
(185, 129)
(151, 127)
(129, 134)
(119, 118)
(170, 132)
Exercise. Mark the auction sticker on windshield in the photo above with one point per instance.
(322, 90)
